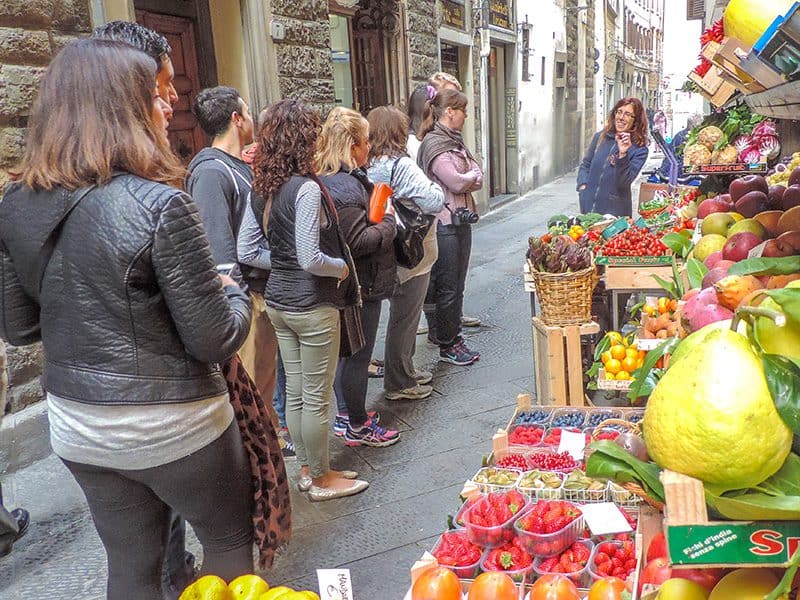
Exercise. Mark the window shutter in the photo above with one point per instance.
(695, 9)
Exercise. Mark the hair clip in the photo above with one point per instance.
(431, 92)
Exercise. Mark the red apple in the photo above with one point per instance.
(791, 197)
(792, 238)
(739, 245)
(657, 571)
(751, 203)
(777, 248)
(713, 205)
(775, 195)
(794, 176)
(657, 547)
(748, 183)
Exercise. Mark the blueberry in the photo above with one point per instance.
(597, 418)
(635, 417)
(528, 417)
(570, 419)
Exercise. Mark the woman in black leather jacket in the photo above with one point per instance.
(107, 263)
(341, 157)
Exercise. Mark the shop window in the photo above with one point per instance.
(341, 57)
(450, 63)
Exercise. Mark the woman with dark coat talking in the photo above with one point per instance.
(615, 157)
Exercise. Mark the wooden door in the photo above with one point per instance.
(185, 134)
(369, 69)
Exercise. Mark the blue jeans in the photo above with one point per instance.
(279, 396)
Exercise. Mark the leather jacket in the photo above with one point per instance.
(130, 309)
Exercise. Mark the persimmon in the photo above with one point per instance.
(607, 588)
(493, 585)
(437, 583)
(554, 587)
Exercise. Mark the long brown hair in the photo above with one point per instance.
(287, 141)
(342, 129)
(434, 108)
(93, 116)
(639, 131)
(388, 127)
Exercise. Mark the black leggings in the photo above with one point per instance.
(211, 488)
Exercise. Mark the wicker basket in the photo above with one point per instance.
(565, 298)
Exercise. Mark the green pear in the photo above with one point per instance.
(711, 416)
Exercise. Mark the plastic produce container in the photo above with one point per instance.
(568, 417)
(598, 415)
(541, 493)
(593, 575)
(462, 571)
(517, 575)
(549, 544)
(537, 416)
(491, 537)
(579, 578)
(486, 472)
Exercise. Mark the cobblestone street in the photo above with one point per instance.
(414, 485)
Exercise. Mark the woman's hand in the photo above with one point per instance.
(227, 280)
(345, 273)
(623, 143)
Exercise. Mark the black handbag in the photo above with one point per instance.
(412, 227)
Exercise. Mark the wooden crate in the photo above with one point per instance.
(726, 58)
(557, 362)
(636, 278)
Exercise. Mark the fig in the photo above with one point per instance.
(633, 445)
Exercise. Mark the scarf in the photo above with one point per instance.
(437, 141)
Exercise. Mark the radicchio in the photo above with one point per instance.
(764, 128)
(769, 145)
(742, 143)
(750, 155)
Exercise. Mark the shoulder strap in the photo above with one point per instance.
(46, 253)
(231, 173)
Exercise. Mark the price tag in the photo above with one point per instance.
(335, 584)
(604, 518)
(572, 442)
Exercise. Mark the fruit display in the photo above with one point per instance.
(552, 461)
(553, 436)
(492, 585)
(615, 559)
(598, 416)
(533, 416)
(580, 488)
(513, 461)
(661, 318)
(541, 484)
(634, 241)
(510, 558)
(436, 583)
(489, 521)
(526, 435)
(494, 478)
(568, 418)
(571, 562)
(244, 587)
(455, 551)
(735, 135)
(619, 357)
(554, 586)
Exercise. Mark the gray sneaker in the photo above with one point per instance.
(423, 377)
(470, 321)
(418, 392)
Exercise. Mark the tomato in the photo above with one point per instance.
(492, 586)
(554, 587)
(657, 547)
(607, 588)
(437, 583)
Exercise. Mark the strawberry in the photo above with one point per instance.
(603, 569)
(600, 558)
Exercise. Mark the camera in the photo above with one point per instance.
(462, 216)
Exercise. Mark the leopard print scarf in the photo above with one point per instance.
(272, 510)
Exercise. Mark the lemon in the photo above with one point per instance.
(745, 584)
(248, 587)
(711, 416)
(208, 587)
(277, 592)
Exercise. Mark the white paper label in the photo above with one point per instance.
(604, 518)
(335, 584)
(573, 442)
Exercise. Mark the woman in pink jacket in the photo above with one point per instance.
(446, 160)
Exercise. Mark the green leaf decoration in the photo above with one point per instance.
(783, 380)
(695, 270)
(640, 384)
(784, 265)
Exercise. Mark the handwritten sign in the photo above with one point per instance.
(335, 584)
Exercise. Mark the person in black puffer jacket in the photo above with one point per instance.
(343, 152)
(107, 263)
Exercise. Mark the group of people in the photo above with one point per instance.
(150, 285)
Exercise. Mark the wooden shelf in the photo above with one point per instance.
(779, 102)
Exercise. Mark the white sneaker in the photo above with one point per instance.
(422, 328)
(423, 377)
(418, 392)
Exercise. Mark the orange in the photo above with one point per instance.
(618, 351)
(631, 353)
(629, 364)
(634, 344)
(610, 376)
(606, 356)
(642, 354)
(623, 376)
(613, 366)
(614, 337)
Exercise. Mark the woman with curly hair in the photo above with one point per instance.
(309, 282)
(341, 159)
(613, 161)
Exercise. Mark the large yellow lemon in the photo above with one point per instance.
(248, 587)
(208, 587)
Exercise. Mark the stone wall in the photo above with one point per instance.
(423, 42)
(31, 32)
(305, 70)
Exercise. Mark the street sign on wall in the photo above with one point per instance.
(500, 14)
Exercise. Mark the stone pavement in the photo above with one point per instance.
(414, 484)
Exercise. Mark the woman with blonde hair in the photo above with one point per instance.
(390, 163)
(342, 155)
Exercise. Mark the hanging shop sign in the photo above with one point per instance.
(453, 14)
(511, 117)
(500, 14)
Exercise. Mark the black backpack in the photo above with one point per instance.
(412, 227)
